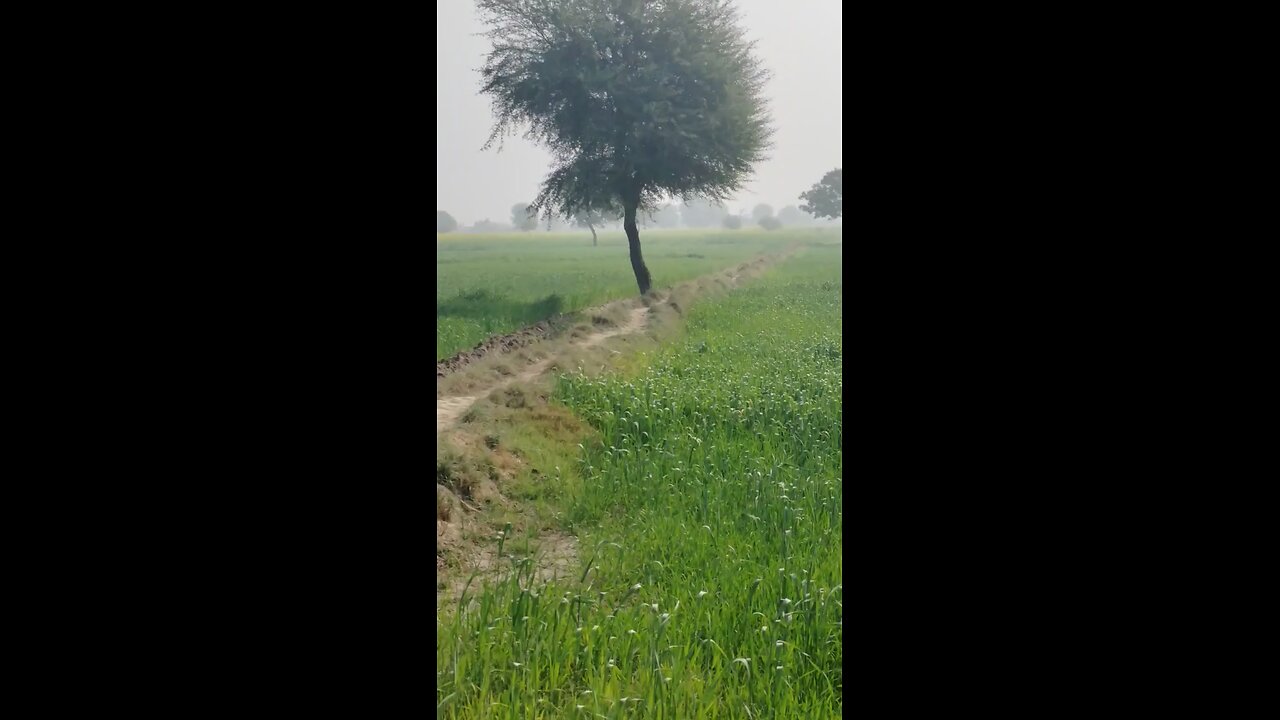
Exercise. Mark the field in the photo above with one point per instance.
(706, 495)
(491, 284)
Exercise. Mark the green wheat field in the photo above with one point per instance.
(708, 505)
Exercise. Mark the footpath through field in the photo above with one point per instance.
(450, 408)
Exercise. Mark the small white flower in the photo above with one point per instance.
(704, 592)
(637, 586)
(631, 632)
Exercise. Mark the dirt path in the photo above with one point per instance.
(635, 321)
(556, 552)
(449, 409)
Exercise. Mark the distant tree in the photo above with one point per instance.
(702, 213)
(445, 222)
(791, 216)
(732, 222)
(523, 216)
(589, 219)
(826, 198)
(636, 100)
(599, 217)
(770, 223)
(761, 212)
(488, 226)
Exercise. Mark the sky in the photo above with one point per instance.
(799, 42)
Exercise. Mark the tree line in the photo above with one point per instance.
(823, 201)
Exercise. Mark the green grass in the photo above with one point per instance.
(710, 520)
(492, 284)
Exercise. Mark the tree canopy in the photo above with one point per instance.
(592, 219)
(588, 219)
(637, 100)
(523, 216)
(792, 217)
(826, 198)
(445, 222)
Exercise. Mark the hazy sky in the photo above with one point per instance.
(799, 41)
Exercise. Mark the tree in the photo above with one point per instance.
(702, 213)
(761, 212)
(825, 199)
(592, 218)
(523, 217)
(637, 100)
(488, 226)
(445, 222)
(732, 222)
(770, 223)
(792, 217)
(589, 219)
(557, 224)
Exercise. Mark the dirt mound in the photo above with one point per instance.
(555, 558)
(450, 409)
(497, 343)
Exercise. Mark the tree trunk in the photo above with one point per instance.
(593, 234)
(633, 240)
